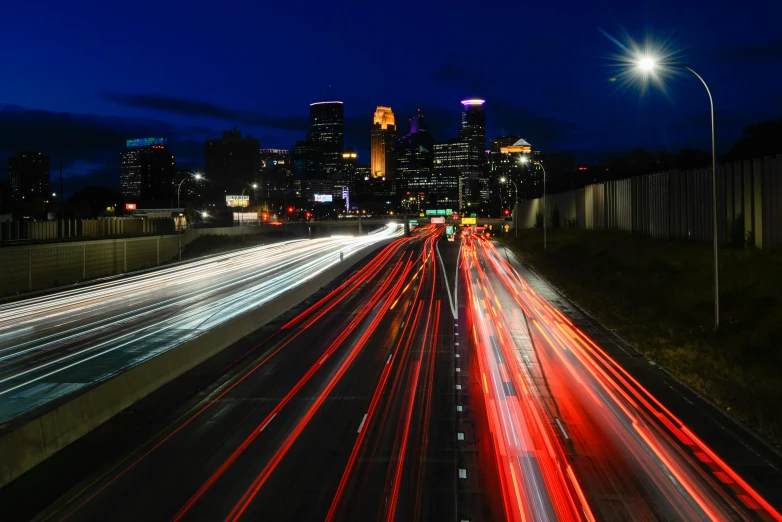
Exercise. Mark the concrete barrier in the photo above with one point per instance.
(30, 439)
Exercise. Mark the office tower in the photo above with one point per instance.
(232, 163)
(147, 172)
(276, 173)
(383, 144)
(451, 164)
(28, 174)
(473, 129)
(307, 160)
(415, 157)
(327, 132)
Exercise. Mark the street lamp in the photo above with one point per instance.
(196, 176)
(241, 200)
(648, 64)
(526, 160)
(515, 203)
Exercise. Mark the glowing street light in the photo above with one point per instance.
(648, 65)
(524, 159)
(196, 177)
(516, 202)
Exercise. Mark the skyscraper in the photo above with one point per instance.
(383, 144)
(28, 173)
(475, 179)
(327, 132)
(473, 129)
(276, 172)
(147, 171)
(233, 163)
(415, 156)
(451, 161)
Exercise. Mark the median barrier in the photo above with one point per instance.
(27, 440)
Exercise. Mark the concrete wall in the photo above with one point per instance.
(39, 267)
(25, 445)
(677, 205)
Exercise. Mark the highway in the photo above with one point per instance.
(336, 416)
(573, 435)
(58, 344)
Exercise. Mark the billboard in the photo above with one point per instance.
(437, 220)
(323, 198)
(244, 217)
(145, 142)
(237, 201)
(468, 221)
(130, 206)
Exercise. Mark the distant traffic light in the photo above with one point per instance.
(507, 212)
(290, 210)
(308, 214)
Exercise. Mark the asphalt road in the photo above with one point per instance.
(59, 344)
(343, 413)
(575, 435)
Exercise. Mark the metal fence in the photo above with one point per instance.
(675, 205)
(67, 229)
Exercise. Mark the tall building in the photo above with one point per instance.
(276, 173)
(28, 174)
(147, 171)
(383, 144)
(233, 163)
(415, 157)
(307, 160)
(451, 162)
(327, 132)
(475, 179)
(348, 169)
(473, 129)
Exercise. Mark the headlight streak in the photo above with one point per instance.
(664, 448)
(246, 279)
(309, 317)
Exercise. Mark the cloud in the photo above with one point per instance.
(187, 107)
(768, 51)
(88, 145)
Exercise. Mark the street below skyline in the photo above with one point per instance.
(377, 401)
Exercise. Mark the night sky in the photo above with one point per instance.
(81, 77)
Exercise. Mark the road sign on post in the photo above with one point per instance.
(469, 221)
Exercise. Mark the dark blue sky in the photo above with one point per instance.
(80, 77)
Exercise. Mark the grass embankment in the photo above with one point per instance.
(206, 245)
(657, 295)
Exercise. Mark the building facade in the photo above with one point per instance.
(28, 176)
(232, 163)
(327, 132)
(451, 165)
(383, 144)
(147, 172)
(276, 173)
(415, 157)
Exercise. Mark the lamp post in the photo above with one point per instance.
(196, 176)
(540, 163)
(648, 64)
(241, 200)
(515, 203)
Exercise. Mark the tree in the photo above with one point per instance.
(759, 140)
(93, 201)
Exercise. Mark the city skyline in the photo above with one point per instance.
(561, 96)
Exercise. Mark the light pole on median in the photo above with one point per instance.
(196, 176)
(648, 64)
(540, 163)
(241, 201)
(515, 204)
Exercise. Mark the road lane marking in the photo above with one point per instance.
(562, 429)
(363, 419)
(267, 423)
